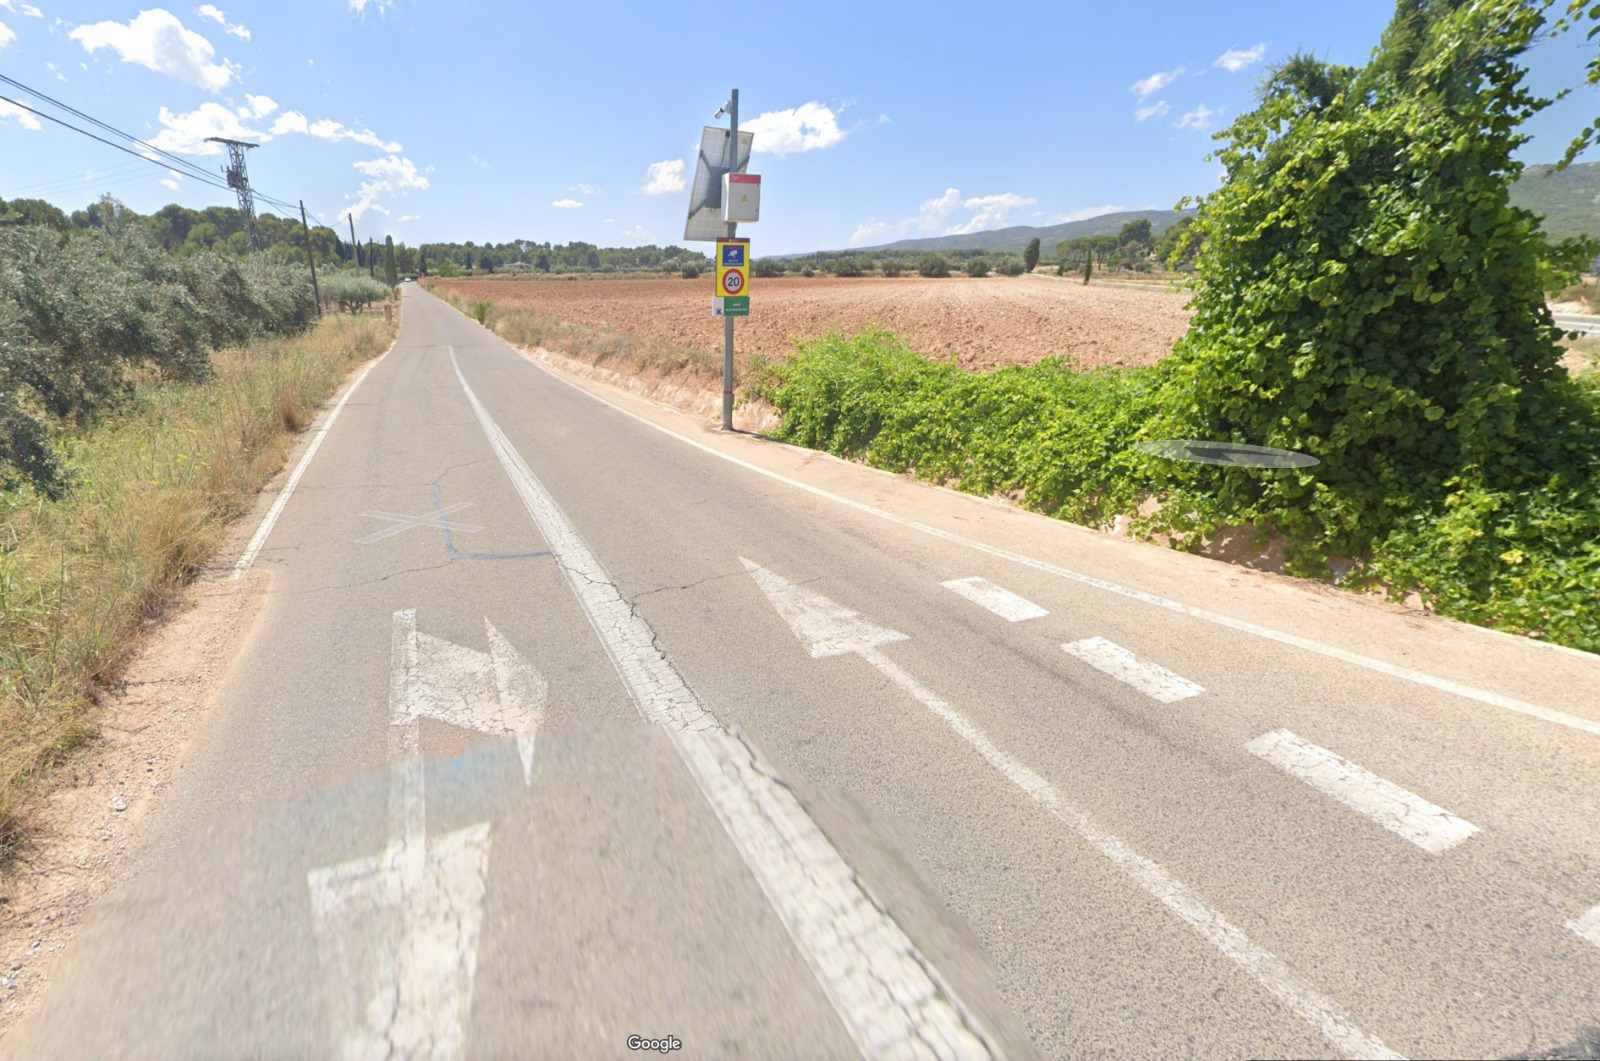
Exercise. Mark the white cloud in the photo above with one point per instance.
(239, 31)
(328, 129)
(7, 35)
(22, 9)
(24, 119)
(380, 6)
(1199, 118)
(931, 216)
(476, 161)
(870, 230)
(1154, 110)
(1236, 59)
(403, 218)
(173, 180)
(638, 232)
(934, 211)
(883, 119)
(186, 133)
(1154, 83)
(992, 211)
(584, 189)
(1084, 215)
(664, 178)
(808, 127)
(567, 204)
(208, 11)
(260, 106)
(156, 40)
(391, 175)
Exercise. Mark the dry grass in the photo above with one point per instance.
(153, 493)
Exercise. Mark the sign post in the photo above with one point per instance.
(733, 229)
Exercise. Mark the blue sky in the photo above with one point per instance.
(489, 120)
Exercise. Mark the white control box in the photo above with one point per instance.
(741, 197)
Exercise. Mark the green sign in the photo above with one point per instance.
(731, 306)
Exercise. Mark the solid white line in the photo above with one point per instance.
(891, 1000)
(1150, 679)
(1004, 603)
(1401, 812)
(282, 499)
(1588, 926)
(1267, 970)
(1544, 714)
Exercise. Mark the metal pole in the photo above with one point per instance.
(727, 322)
(355, 248)
(311, 261)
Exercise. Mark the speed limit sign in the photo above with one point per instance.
(733, 277)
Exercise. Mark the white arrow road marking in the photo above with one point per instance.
(399, 931)
(891, 999)
(435, 520)
(1267, 970)
(1588, 926)
(1152, 680)
(1004, 603)
(1403, 813)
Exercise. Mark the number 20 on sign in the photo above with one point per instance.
(732, 297)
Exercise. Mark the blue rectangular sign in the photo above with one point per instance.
(733, 255)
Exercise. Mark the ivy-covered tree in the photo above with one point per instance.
(1368, 295)
(390, 276)
(1030, 256)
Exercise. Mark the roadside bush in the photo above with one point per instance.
(978, 267)
(769, 267)
(1009, 266)
(933, 266)
(808, 272)
(83, 318)
(690, 272)
(353, 291)
(892, 267)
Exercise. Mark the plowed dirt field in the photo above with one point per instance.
(986, 323)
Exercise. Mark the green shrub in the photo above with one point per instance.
(353, 291)
(808, 272)
(768, 267)
(1009, 266)
(690, 272)
(933, 266)
(978, 267)
(892, 267)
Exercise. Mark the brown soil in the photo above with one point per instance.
(985, 323)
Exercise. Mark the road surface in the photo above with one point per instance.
(572, 728)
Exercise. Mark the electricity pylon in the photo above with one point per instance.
(239, 181)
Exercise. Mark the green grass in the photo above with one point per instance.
(153, 491)
(1523, 558)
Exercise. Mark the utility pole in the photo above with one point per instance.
(355, 248)
(239, 181)
(733, 230)
(372, 260)
(310, 259)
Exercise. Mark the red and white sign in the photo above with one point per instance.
(741, 197)
(732, 282)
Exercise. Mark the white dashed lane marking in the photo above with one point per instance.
(1588, 926)
(1406, 814)
(1150, 679)
(1004, 603)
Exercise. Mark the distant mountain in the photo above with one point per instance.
(1568, 201)
(1015, 239)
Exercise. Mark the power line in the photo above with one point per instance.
(190, 169)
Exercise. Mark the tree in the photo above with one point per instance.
(389, 274)
(1030, 256)
(422, 261)
(1368, 294)
(542, 263)
(1135, 232)
(932, 266)
(978, 267)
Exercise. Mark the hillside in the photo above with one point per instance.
(1015, 238)
(1568, 201)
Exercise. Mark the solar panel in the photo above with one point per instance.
(705, 194)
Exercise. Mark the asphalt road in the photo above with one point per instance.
(568, 720)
